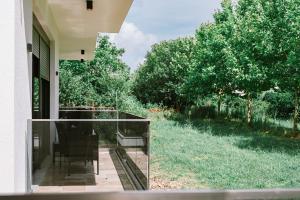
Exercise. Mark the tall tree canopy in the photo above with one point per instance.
(214, 60)
(286, 37)
(267, 47)
(159, 79)
(254, 49)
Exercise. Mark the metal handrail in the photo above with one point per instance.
(196, 195)
(90, 120)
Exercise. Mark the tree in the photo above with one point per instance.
(95, 82)
(159, 79)
(214, 59)
(254, 49)
(286, 31)
(267, 47)
(291, 80)
(107, 73)
(73, 90)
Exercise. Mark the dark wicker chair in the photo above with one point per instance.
(77, 143)
(77, 147)
(92, 152)
(60, 144)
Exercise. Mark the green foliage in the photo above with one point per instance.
(281, 104)
(268, 39)
(250, 48)
(73, 90)
(201, 112)
(286, 29)
(252, 41)
(108, 74)
(233, 108)
(100, 82)
(159, 79)
(215, 64)
(130, 104)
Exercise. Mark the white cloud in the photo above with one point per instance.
(135, 42)
(150, 21)
(168, 19)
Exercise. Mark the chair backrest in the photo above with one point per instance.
(77, 142)
(76, 139)
(62, 130)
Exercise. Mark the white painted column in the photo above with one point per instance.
(54, 79)
(7, 85)
(54, 89)
(15, 96)
(23, 89)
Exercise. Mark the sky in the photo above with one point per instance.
(151, 21)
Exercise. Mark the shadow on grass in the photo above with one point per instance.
(245, 137)
(271, 144)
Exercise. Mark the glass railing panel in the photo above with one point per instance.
(40, 142)
(133, 141)
(100, 154)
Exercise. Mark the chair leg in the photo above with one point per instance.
(98, 167)
(60, 159)
(69, 166)
(53, 156)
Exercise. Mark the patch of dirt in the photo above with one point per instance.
(155, 110)
(157, 183)
(160, 180)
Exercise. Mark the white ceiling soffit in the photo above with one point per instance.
(78, 27)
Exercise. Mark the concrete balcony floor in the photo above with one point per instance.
(54, 178)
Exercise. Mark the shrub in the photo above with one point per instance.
(131, 105)
(280, 104)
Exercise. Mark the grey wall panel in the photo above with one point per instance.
(35, 43)
(44, 60)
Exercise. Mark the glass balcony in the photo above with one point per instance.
(88, 151)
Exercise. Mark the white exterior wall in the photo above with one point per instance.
(15, 97)
(7, 84)
(22, 90)
(16, 88)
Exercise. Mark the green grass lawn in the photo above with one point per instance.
(220, 155)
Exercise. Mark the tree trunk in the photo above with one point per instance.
(219, 104)
(296, 112)
(220, 93)
(177, 107)
(249, 110)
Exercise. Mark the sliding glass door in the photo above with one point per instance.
(40, 76)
